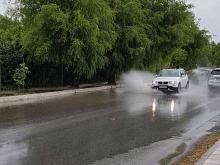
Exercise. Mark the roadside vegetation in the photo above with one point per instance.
(69, 42)
(199, 149)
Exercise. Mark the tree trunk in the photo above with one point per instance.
(75, 82)
(43, 83)
(112, 79)
(0, 77)
(62, 77)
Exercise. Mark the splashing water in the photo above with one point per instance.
(137, 82)
(140, 82)
(198, 84)
(139, 95)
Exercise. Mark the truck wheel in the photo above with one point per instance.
(187, 85)
(178, 90)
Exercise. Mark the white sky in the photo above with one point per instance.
(3, 5)
(208, 11)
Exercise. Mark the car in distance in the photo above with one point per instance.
(214, 78)
(171, 80)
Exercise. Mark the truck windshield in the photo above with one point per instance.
(216, 72)
(169, 73)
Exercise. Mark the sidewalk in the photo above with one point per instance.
(31, 98)
(212, 157)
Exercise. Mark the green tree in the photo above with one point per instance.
(173, 27)
(20, 75)
(44, 39)
(10, 48)
(77, 39)
(88, 38)
(132, 40)
(215, 55)
(178, 57)
(92, 35)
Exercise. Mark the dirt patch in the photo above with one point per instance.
(199, 149)
(179, 150)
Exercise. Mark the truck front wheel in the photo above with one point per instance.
(178, 90)
(187, 85)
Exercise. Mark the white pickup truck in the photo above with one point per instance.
(171, 80)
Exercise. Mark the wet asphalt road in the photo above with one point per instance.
(88, 128)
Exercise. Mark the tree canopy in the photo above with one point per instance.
(92, 40)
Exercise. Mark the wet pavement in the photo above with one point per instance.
(96, 127)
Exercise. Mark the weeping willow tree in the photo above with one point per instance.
(78, 39)
(176, 38)
(132, 40)
(10, 49)
(84, 39)
(92, 35)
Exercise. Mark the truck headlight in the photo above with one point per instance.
(173, 83)
(154, 83)
(212, 78)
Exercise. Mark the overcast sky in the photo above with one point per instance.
(3, 6)
(208, 11)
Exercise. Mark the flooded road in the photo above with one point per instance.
(96, 127)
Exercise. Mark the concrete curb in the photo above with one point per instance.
(31, 98)
(203, 160)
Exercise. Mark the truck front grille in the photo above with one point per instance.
(163, 83)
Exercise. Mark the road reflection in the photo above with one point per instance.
(13, 153)
(172, 107)
(153, 109)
